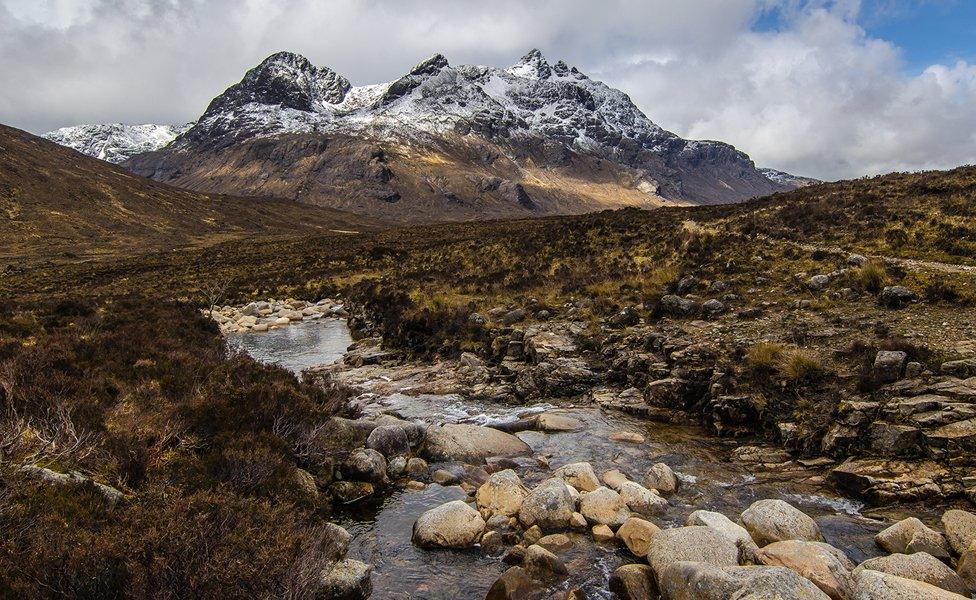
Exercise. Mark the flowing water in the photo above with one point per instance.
(381, 526)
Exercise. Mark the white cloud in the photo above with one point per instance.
(817, 97)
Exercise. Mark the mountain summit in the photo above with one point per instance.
(446, 142)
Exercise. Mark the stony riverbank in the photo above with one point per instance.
(526, 508)
(271, 314)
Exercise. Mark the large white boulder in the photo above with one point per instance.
(960, 528)
(875, 585)
(550, 506)
(641, 500)
(685, 580)
(724, 525)
(472, 443)
(451, 525)
(502, 494)
(604, 506)
(911, 535)
(920, 566)
(579, 475)
(769, 521)
(827, 567)
(694, 544)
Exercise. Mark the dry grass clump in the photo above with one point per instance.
(764, 357)
(871, 276)
(795, 366)
(800, 367)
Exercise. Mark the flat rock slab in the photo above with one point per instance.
(471, 443)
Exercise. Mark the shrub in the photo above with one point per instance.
(764, 357)
(871, 276)
(799, 367)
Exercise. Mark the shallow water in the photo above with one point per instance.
(381, 527)
(297, 346)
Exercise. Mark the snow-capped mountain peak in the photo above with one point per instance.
(532, 66)
(115, 142)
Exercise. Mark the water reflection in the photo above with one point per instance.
(296, 347)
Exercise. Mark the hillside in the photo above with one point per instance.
(447, 143)
(816, 346)
(60, 204)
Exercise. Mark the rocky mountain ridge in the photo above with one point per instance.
(116, 142)
(447, 142)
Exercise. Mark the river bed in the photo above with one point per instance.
(381, 526)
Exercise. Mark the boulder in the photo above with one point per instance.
(636, 534)
(920, 566)
(556, 423)
(515, 584)
(417, 467)
(502, 494)
(875, 585)
(543, 563)
(676, 306)
(346, 492)
(827, 567)
(579, 475)
(696, 544)
(471, 443)
(450, 525)
(889, 365)
(911, 535)
(713, 307)
(967, 567)
(602, 534)
(415, 431)
(555, 542)
(685, 580)
(731, 530)
(532, 535)
(604, 506)
(613, 479)
(768, 583)
(896, 296)
(365, 465)
(960, 528)
(818, 283)
(691, 580)
(660, 477)
(629, 437)
(889, 439)
(346, 579)
(396, 466)
(959, 368)
(444, 477)
(389, 440)
(633, 582)
(492, 543)
(550, 506)
(769, 521)
(641, 500)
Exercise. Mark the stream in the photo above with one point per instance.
(381, 526)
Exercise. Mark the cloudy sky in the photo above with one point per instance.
(827, 88)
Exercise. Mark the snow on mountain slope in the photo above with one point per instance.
(116, 142)
(788, 179)
(446, 142)
(287, 94)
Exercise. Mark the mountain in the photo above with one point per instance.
(784, 178)
(116, 142)
(446, 142)
(56, 203)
